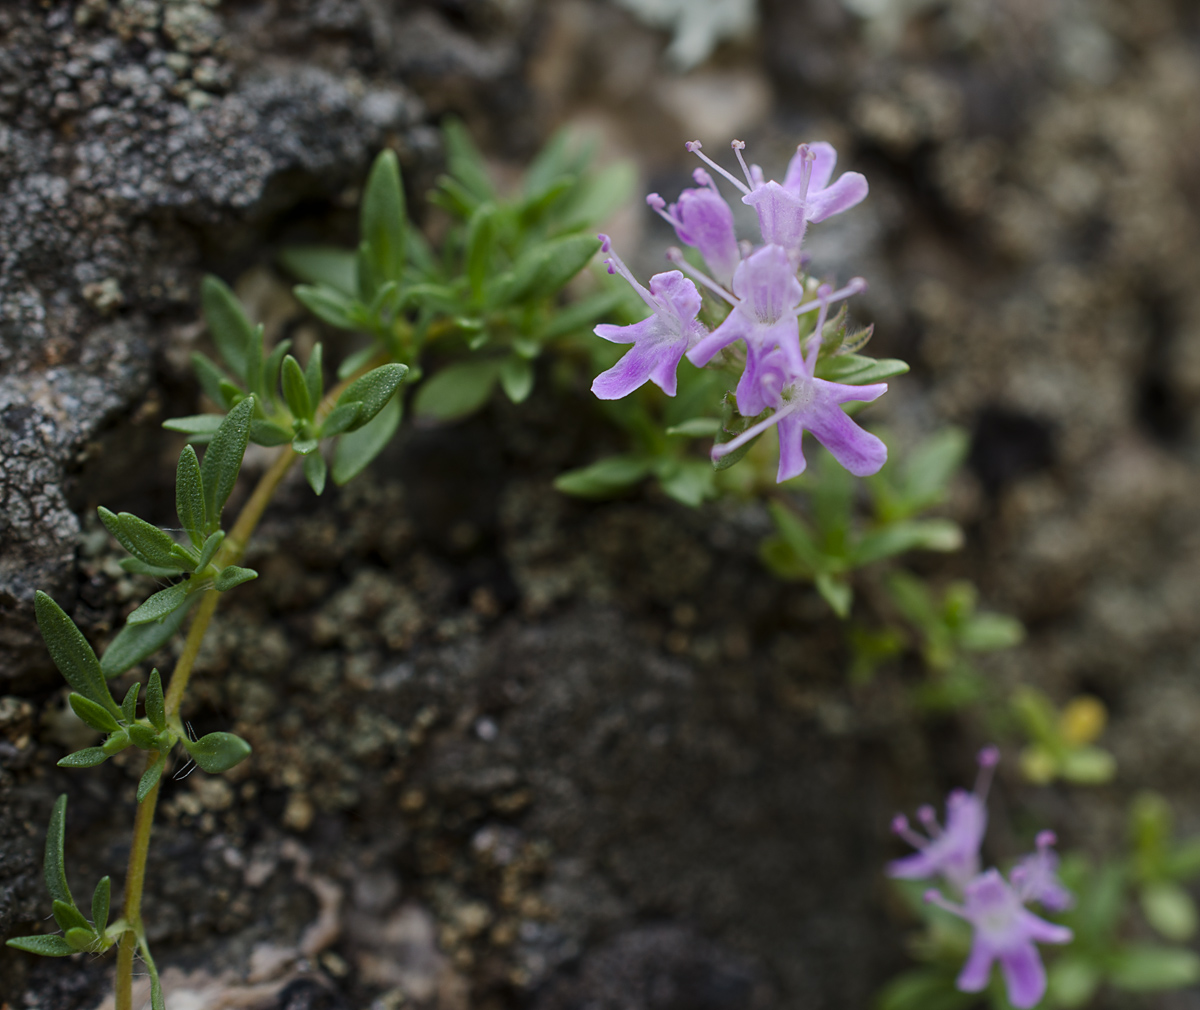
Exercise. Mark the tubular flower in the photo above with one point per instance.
(1036, 877)
(1005, 931)
(659, 341)
(701, 218)
(952, 853)
(785, 209)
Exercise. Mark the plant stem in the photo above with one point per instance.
(230, 553)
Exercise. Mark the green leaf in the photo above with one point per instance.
(69, 917)
(858, 370)
(600, 196)
(458, 390)
(1089, 766)
(71, 653)
(582, 314)
(81, 937)
(162, 603)
(797, 535)
(156, 710)
(315, 472)
(209, 550)
(135, 642)
(908, 535)
(232, 575)
(1184, 862)
(1073, 980)
(295, 390)
(139, 567)
(696, 427)
(325, 265)
(115, 743)
(268, 433)
(211, 379)
(223, 460)
(142, 736)
(47, 946)
(382, 218)
(270, 380)
(129, 704)
(481, 239)
(144, 541)
(101, 898)
(314, 376)
(373, 391)
(54, 870)
(96, 716)
(465, 162)
(988, 632)
(1150, 969)
(605, 478)
(341, 419)
(1169, 909)
(254, 361)
(353, 362)
(356, 449)
(89, 757)
(150, 777)
(690, 482)
(231, 330)
(218, 752)
(195, 424)
(329, 305)
(189, 495)
(924, 989)
(516, 378)
(303, 445)
(544, 269)
(836, 593)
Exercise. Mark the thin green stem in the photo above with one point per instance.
(230, 553)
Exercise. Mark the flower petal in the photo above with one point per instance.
(781, 216)
(678, 295)
(822, 170)
(975, 973)
(856, 449)
(849, 190)
(766, 282)
(644, 361)
(791, 456)
(708, 225)
(1024, 975)
(736, 327)
(631, 334)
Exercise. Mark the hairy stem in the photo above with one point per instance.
(230, 553)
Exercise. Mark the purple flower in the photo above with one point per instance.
(1005, 931)
(952, 853)
(1036, 877)
(779, 376)
(659, 341)
(702, 218)
(784, 210)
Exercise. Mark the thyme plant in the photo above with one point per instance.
(490, 298)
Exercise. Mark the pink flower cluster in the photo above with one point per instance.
(1005, 930)
(761, 285)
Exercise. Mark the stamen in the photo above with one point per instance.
(617, 266)
(693, 146)
(738, 146)
(988, 757)
(855, 286)
(658, 205)
(818, 335)
(808, 157)
(704, 179)
(935, 897)
(675, 255)
(725, 448)
(1046, 839)
(929, 820)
